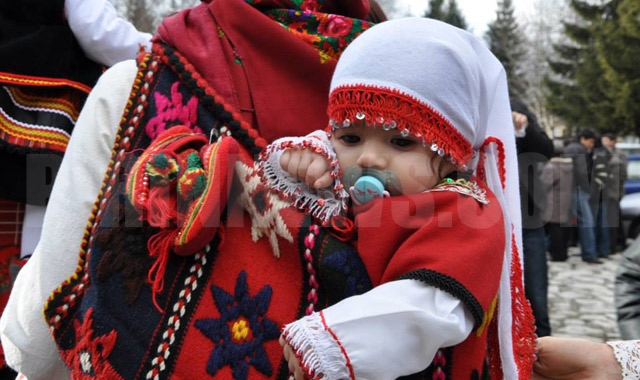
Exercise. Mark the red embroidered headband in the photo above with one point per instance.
(392, 109)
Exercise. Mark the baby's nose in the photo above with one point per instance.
(371, 158)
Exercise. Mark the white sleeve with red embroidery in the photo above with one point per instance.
(103, 36)
(323, 203)
(393, 330)
(627, 353)
(27, 342)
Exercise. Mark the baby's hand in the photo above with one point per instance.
(294, 364)
(312, 168)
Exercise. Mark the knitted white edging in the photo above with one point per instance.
(318, 350)
(322, 204)
(627, 353)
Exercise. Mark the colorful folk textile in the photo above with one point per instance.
(227, 300)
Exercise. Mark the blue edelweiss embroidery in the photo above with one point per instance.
(240, 332)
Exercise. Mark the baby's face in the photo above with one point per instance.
(405, 165)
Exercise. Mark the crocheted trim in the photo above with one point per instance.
(493, 349)
(464, 187)
(391, 109)
(318, 349)
(501, 159)
(323, 204)
(627, 353)
(27, 80)
(523, 326)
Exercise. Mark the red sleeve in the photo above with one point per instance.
(445, 239)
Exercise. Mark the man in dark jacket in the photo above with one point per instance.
(534, 150)
(580, 153)
(598, 189)
(614, 190)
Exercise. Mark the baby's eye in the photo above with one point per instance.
(402, 142)
(350, 139)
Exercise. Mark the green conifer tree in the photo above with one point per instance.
(436, 10)
(454, 15)
(450, 13)
(618, 49)
(597, 80)
(506, 42)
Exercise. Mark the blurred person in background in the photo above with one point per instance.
(534, 150)
(557, 176)
(617, 171)
(599, 186)
(580, 151)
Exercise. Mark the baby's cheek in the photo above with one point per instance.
(415, 172)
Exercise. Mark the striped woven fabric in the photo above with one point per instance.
(11, 218)
(37, 118)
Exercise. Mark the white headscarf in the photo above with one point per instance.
(443, 85)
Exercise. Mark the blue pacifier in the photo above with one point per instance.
(367, 188)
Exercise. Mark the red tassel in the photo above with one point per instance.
(159, 246)
(162, 206)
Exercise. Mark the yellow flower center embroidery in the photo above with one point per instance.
(240, 330)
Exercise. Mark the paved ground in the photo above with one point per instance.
(581, 298)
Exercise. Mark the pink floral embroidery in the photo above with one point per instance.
(309, 6)
(172, 111)
(336, 26)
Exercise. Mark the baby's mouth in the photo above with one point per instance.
(388, 179)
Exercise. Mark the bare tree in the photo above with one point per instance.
(544, 28)
(145, 15)
(139, 12)
(507, 41)
(395, 8)
(176, 5)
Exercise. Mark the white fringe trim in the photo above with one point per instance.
(323, 204)
(318, 350)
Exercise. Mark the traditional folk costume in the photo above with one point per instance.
(449, 92)
(214, 70)
(190, 266)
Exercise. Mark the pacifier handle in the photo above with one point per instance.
(366, 189)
